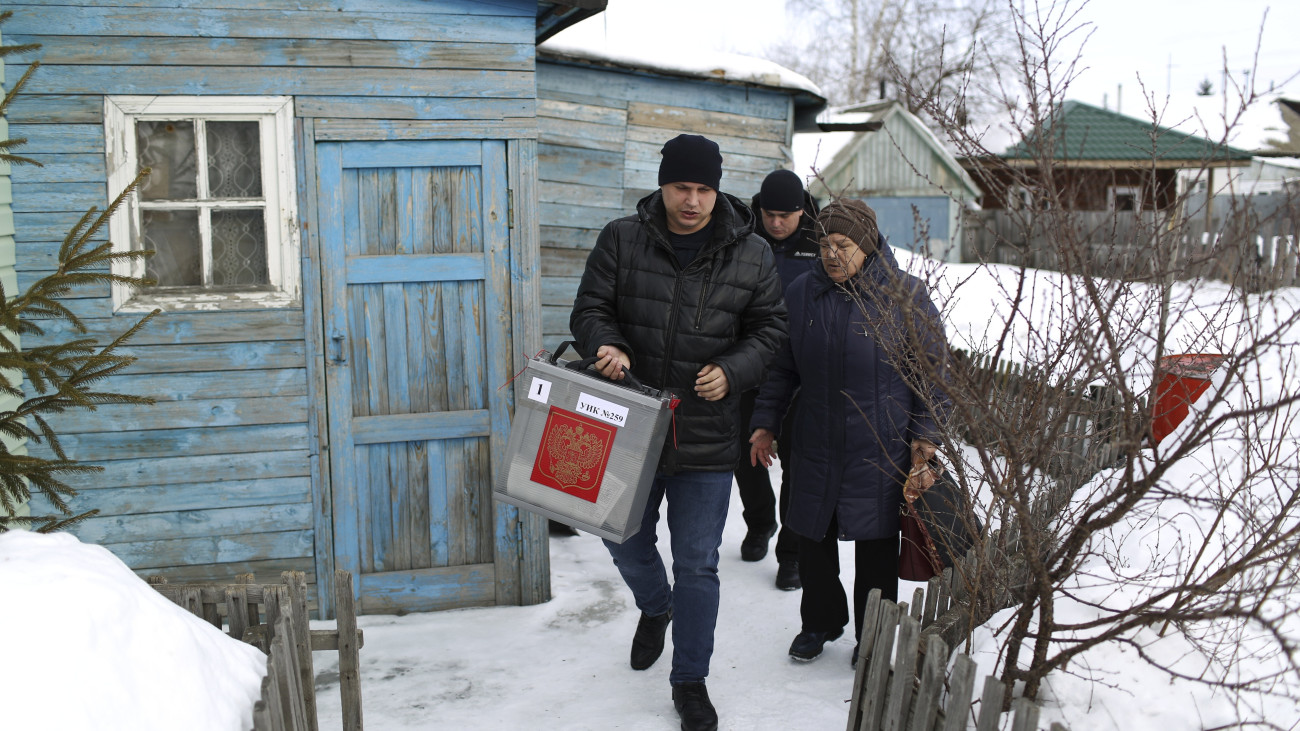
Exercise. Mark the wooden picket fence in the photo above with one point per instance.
(1086, 443)
(909, 693)
(1254, 244)
(274, 618)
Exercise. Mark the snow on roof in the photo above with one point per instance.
(813, 151)
(700, 63)
(1283, 162)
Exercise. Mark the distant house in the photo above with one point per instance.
(899, 167)
(603, 118)
(1270, 130)
(1122, 177)
(343, 207)
(1104, 160)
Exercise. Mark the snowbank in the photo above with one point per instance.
(89, 645)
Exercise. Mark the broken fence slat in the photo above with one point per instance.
(349, 657)
(900, 687)
(878, 673)
(1026, 715)
(930, 687)
(961, 685)
(296, 583)
(870, 622)
(990, 705)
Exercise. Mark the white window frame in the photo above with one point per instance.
(275, 117)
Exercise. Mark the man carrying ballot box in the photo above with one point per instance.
(685, 296)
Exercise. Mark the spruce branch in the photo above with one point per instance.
(60, 373)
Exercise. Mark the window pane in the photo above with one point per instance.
(239, 248)
(173, 236)
(234, 160)
(168, 148)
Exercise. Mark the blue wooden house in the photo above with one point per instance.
(602, 119)
(343, 215)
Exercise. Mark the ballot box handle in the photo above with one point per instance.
(629, 380)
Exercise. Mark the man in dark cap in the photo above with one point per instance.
(684, 296)
(787, 216)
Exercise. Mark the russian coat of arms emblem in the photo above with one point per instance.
(573, 454)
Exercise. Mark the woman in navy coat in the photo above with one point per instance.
(865, 346)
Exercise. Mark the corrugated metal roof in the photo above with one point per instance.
(1084, 132)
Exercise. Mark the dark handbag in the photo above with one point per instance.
(917, 559)
(937, 526)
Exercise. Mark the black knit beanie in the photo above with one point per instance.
(691, 159)
(851, 218)
(782, 192)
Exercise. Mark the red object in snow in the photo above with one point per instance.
(1184, 379)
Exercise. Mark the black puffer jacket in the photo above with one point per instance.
(724, 308)
(799, 252)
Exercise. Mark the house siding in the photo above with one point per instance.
(600, 131)
(896, 169)
(8, 279)
(233, 447)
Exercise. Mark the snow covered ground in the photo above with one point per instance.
(564, 664)
(89, 645)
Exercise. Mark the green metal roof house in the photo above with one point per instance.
(1105, 161)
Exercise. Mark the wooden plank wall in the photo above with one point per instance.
(8, 276)
(898, 161)
(216, 479)
(600, 132)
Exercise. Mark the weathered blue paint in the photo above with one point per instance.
(653, 89)
(465, 586)
(219, 522)
(258, 23)
(242, 423)
(191, 496)
(378, 432)
(221, 468)
(899, 223)
(238, 80)
(414, 268)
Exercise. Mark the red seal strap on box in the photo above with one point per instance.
(672, 406)
(573, 454)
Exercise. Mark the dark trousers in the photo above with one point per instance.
(824, 605)
(756, 496)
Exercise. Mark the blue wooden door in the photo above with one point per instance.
(415, 283)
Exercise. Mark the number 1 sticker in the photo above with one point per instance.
(539, 390)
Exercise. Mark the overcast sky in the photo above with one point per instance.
(1173, 45)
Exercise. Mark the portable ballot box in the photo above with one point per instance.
(583, 449)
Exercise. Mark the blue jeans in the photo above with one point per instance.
(697, 511)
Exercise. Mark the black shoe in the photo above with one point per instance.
(754, 547)
(648, 642)
(692, 703)
(808, 645)
(787, 576)
(854, 662)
